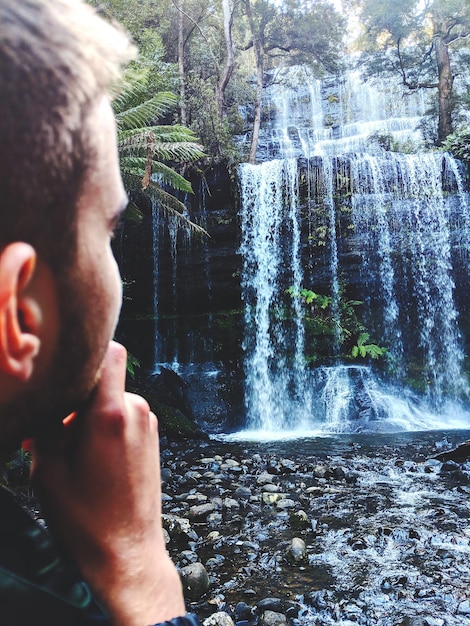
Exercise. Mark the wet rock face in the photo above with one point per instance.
(372, 534)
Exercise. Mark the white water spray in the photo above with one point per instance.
(401, 213)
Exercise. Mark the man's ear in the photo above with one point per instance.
(20, 315)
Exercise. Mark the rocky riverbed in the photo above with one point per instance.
(345, 530)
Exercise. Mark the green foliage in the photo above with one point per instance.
(421, 44)
(215, 134)
(364, 349)
(132, 364)
(458, 144)
(309, 297)
(148, 152)
(383, 140)
(300, 32)
(292, 32)
(389, 144)
(339, 320)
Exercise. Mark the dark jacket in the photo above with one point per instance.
(37, 585)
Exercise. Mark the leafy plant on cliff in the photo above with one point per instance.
(458, 144)
(340, 320)
(364, 349)
(150, 153)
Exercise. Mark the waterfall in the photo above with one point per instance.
(156, 277)
(333, 193)
(268, 233)
(400, 209)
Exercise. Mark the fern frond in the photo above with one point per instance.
(170, 177)
(144, 141)
(133, 88)
(173, 133)
(146, 112)
(144, 147)
(172, 206)
(182, 152)
(137, 166)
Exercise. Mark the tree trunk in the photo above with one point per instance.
(182, 77)
(259, 58)
(445, 80)
(230, 59)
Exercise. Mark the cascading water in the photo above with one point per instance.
(271, 248)
(336, 198)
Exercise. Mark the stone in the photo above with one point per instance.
(242, 611)
(271, 488)
(299, 520)
(272, 498)
(165, 474)
(338, 472)
(214, 562)
(195, 580)
(285, 503)
(230, 463)
(217, 503)
(196, 497)
(319, 471)
(288, 466)
(270, 618)
(213, 536)
(188, 556)
(176, 526)
(230, 503)
(273, 468)
(412, 620)
(207, 461)
(218, 619)
(449, 466)
(264, 478)
(192, 477)
(242, 493)
(271, 604)
(458, 455)
(296, 551)
(214, 519)
(200, 511)
(464, 608)
(320, 600)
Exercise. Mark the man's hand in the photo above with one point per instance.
(101, 496)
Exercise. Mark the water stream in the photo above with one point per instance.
(340, 206)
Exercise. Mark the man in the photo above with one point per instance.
(96, 472)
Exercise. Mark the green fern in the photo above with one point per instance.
(148, 152)
(363, 349)
(145, 112)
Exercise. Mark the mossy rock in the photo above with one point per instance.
(173, 423)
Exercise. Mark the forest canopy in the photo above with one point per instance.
(218, 56)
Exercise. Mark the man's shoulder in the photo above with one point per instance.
(35, 579)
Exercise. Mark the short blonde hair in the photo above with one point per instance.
(57, 57)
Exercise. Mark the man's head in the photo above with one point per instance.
(59, 193)
(56, 59)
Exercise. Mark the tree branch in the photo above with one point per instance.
(196, 25)
(404, 78)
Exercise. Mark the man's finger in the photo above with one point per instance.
(112, 379)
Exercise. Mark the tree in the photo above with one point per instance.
(224, 77)
(307, 31)
(418, 42)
